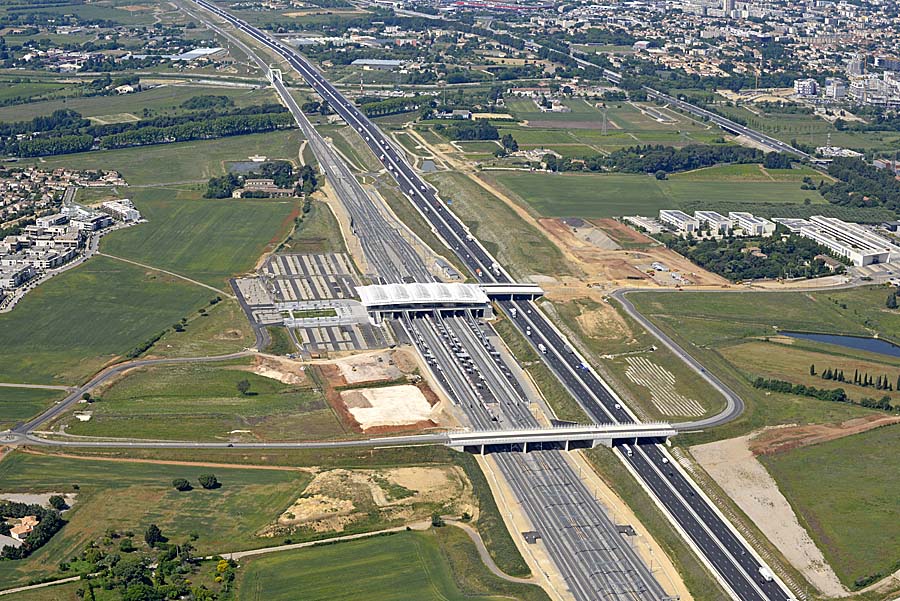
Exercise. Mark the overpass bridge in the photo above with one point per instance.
(565, 437)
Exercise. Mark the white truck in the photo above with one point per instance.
(542, 348)
(766, 574)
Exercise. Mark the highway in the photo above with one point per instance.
(712, 537)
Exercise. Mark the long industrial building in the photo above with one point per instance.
(851, 240)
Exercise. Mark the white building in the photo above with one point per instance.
(648, 224)
(13, 277)
(121, 210)
(679, 221)
(851, 240)
(806, 87)
(718, 223)
(750, 224)
(835, 88)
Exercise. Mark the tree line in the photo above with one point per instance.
(834, 395)
(479, 129)
(66, 131)
(655, 158)
(882, 382)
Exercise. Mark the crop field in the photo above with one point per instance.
(415, 566)
(615, 194)
(202, 402)
(810, 129)
(162, 100)
(21, 404)
(856, 523)
(68, 327)
(751, 172)
(717, 326)
(205, 239)
(192, 162)
(27, 90)
(130, 496)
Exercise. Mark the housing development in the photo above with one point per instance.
(352, 299)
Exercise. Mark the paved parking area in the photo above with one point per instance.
(349, 337)
(310, 277)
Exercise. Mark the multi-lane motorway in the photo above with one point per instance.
(735, 563)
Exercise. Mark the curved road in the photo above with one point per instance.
(734, 404)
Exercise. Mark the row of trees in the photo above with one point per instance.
(480, 129)
(667, 159)
(834, 395)
(791, 257)
(215, 128)
(882, 382)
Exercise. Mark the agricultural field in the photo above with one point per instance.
(68, 327)
(436, 564)
(208, 240)
(856, 523)
(28, 89)
(130, 496)
(515, 243)
(202, 402)
(161, 100)
(715, 325)
(184, 162)
(810, 129)
(594, 196)
(21, 404)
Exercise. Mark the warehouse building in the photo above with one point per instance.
(851, 240)
(718, 223)
(750, 224)
(679, 221)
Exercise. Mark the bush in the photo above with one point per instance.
(181, 484)
(153, 535)
(208, 481)
(58, 503)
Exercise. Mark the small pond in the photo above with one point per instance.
(860, 343)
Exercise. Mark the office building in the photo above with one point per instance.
(718, 223)
(679, 221)
(751, 225)
(857, 243)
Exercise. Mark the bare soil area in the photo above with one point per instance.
(379, 365)
(338, 498)
(286, 371)
(403, 405)
(779, 440)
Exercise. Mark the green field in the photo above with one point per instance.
(68, 327)
(845, 494)
(202, 402)
(616, 194)
(192, 162)
(21, 404)
(439, 564)
(712, 324)
(27, 90)
(162, 100)
(515, 243)
(130, 496)
(205, 239)
(610, 347)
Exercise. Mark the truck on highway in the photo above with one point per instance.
(542, 348)
(766, 574)
(513, 311)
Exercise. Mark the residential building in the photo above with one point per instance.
(835, 88)
(15, 276)
(121, 210)
(806, 87)
(648, 224)
(21, 530)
